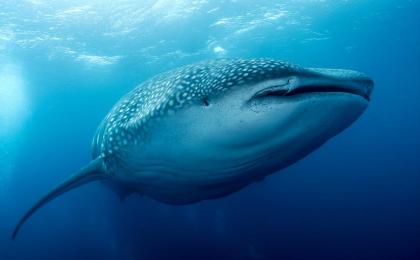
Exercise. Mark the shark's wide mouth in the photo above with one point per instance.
(282, 91)
(329, 89)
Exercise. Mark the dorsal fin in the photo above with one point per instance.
(95, 170)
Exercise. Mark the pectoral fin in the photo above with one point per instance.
(95, 170)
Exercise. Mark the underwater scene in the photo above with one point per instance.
(209, 129)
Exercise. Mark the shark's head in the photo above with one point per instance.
(277, 111)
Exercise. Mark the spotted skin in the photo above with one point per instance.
(129, 120)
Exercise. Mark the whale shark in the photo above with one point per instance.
(206, 130)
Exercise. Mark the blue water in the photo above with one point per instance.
(63, 64)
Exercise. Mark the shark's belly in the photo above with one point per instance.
(186, 176)
(189, 157)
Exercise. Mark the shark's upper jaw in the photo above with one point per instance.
(321, 81)
(330, 89)
(308, 89)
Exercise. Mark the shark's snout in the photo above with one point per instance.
(339, 80)
(317, 80)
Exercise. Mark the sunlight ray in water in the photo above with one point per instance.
(14, 109)
(14, 102)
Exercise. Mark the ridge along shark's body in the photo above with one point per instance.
(206, 130)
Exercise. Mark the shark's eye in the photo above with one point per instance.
(206, 102)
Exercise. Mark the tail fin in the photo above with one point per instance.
(95, 170)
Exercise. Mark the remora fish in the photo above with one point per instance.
(206, 130)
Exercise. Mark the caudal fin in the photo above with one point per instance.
(93, 171)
